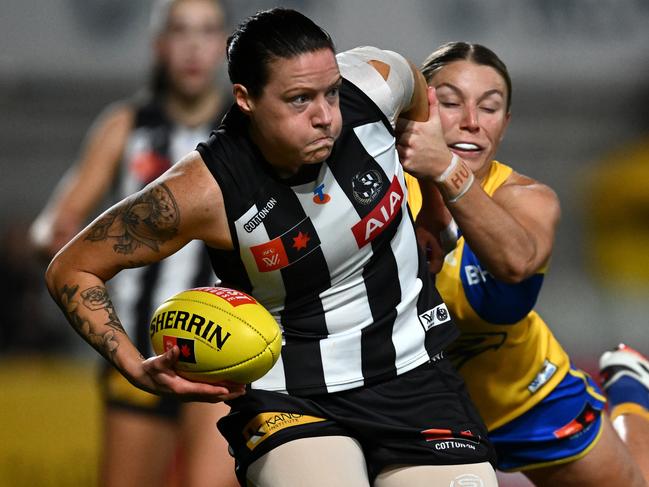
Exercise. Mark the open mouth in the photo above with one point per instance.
(465, 147)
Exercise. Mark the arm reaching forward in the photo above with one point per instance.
(183, 204)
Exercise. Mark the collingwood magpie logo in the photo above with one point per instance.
(434, 317)
(366, 186)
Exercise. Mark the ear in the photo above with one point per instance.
(243, 99)
(508, 118)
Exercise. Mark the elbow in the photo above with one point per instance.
(513, 270)
(52, 275)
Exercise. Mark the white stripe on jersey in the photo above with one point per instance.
(268, 289)
(268, 286)
(407, 334)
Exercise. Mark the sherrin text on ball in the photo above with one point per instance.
(222, 334)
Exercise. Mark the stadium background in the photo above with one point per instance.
(581, 88)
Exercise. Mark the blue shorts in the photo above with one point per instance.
(563, 427)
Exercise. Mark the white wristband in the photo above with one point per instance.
(465, 188)
(456, 179)
(449, 169)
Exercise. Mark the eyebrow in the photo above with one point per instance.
(301, 88)
(486, 94)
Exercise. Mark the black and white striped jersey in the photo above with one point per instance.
(153, 145)
(331, 253)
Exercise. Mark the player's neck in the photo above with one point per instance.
(193, 111)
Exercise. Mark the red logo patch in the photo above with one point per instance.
(232, 296)
(376, 221)
(186, 346)
(168, 342)
(270, 256)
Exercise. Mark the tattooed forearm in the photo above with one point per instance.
(94, 298)
(149, 219)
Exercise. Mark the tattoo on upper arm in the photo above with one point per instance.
(149, 219)
(94, 298)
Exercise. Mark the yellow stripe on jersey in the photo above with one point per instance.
(508, 367)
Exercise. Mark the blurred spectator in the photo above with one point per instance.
(130, 144)
(26, 324)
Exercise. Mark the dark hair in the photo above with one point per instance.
(268, 35)
(464, 51)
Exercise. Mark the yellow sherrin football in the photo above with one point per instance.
(222, 334)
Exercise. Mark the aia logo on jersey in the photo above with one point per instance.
(288, 248)
(366, 186)
(373, 224)
(185, 345)
(149, 165)
(319, 196)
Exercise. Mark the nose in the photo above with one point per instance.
(470, 119)
(323, 113)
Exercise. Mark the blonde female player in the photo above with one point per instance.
(543, 415)
(131, 144)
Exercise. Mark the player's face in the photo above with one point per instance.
(296, 119)
(473, 110)
(192, 46)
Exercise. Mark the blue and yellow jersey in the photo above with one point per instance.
(507, 355)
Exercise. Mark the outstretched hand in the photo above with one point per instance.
(161, 378)
(421, 146)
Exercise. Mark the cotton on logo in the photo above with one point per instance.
(467, 480)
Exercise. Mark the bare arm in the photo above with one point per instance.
(85, 183)
(183, 204)
(512, 233)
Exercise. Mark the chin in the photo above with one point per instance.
(317, 157)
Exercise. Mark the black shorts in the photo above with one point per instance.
(423, 417)
(118, 393)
